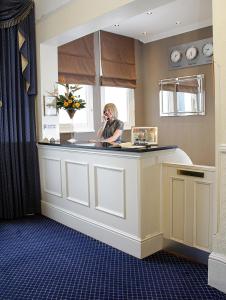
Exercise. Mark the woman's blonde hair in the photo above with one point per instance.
(112, 107)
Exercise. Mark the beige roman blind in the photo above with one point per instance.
(171, 87)
(117, 60)
(76, 61)
(189, 86)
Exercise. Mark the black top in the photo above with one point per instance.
(111, 127)
(106, 146)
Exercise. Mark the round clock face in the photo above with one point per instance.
(207, 49)
(191, 53)
(175, 56)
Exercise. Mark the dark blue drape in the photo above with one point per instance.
(19, 172)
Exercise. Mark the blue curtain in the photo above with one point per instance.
(19, 171)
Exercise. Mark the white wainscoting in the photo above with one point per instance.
(203, 215)
(110, 190)
(177, 209)
(217, 271)
(217, 259)
(52, 175)
(77, 182)
(189, 205)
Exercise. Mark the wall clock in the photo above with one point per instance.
(175, 56)
(191, 53)
(207, 49)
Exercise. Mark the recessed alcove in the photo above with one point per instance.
(195, 135)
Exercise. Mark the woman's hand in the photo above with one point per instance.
(105, 118)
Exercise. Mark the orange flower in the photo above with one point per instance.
(65, 103)
(77, 104)
(69, 101)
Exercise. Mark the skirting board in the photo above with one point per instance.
(217, 271)
(111, 236)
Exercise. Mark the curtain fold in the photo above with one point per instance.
(12, 12)
(19, 170)
(117, 60)
(76, 63)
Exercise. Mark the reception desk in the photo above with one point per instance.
(110, 193)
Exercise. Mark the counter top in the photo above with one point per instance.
(107, 146)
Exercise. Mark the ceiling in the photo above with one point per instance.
(175, 17)
(161, 22)
(43, 7)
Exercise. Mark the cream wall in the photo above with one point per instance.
(193, 134)
(48, 54)
(219, 36)
(217, 260)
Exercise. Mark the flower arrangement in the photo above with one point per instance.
(69, 101)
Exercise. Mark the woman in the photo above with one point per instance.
(111, 129)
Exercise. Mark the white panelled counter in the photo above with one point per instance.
(110, 194)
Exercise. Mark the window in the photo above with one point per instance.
(83, 119)
(123, 98)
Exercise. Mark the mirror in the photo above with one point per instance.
(182, 96)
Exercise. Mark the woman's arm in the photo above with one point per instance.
(101, 129)
(114, 137)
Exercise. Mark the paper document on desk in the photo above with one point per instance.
(72, 141)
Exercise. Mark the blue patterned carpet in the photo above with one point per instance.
(42, 259)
